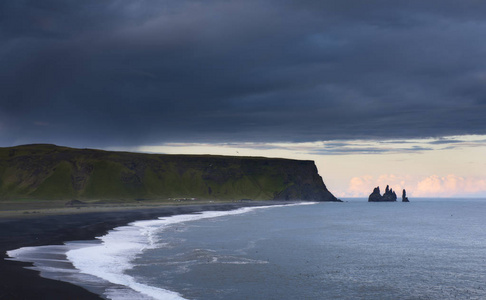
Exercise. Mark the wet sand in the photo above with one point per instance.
(51, 227)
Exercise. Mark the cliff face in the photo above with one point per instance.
(52, 172)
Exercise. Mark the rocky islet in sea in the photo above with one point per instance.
(388, 196)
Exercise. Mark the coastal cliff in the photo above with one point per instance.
(43, 171)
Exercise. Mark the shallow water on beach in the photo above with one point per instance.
(425, 249)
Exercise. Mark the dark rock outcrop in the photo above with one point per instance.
(375, 196)
(388, 196)
(404, 196)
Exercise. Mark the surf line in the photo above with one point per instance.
(99, 265)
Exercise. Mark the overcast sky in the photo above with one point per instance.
(127, 74)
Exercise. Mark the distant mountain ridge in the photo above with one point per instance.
(44, 171)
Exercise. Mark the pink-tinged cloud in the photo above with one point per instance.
(450, 185)
(359, 185)
(431, 186)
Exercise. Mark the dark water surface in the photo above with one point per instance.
(426, 249)
(354, 250)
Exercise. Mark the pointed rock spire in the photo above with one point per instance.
(404, 196)
(388, 196)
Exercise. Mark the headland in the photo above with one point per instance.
(50, 172)
(51, 194)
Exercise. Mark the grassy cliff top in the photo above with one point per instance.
(44, 171)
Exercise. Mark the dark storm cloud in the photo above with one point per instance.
(101, 73)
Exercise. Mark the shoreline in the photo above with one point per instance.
(51, 228)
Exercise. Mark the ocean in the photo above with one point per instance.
(425, 249)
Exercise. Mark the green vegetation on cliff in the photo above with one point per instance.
(59, 173)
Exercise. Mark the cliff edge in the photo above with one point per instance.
(43, 171)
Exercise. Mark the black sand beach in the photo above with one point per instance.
(19, 283)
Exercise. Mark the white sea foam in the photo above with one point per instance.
(119, 247)
(109, 259)
(52, 263)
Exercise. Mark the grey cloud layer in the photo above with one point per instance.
(103, 73)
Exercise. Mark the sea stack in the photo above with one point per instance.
(375, 196)
(388, 196)
(404, 196)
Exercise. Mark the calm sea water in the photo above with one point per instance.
(425, 249)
